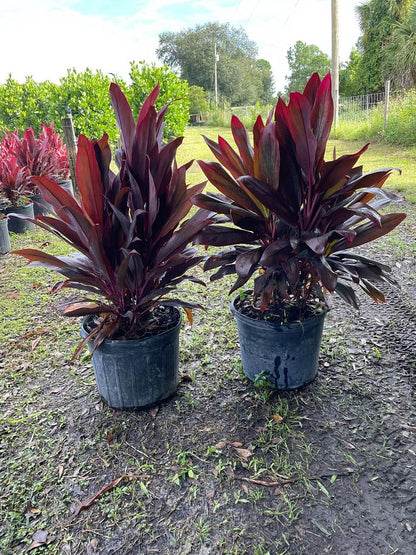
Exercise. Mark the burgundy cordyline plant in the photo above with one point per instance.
(27, 156)
(291, 218)
(45, 156)
(133, 250)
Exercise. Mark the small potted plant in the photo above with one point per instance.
(13, 188)
(59, 157)
(133, 250)
(44, 156)
(290, 220)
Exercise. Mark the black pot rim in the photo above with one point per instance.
(9, 210)
(281, 326)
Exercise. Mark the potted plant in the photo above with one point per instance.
(132, 252)
(45, 156)
(59, 157)
(13, 188)
(290, 220)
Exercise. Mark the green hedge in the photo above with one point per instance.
(86, 95)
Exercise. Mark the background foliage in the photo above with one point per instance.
(304, 60)
(144, 78)
(86, 95)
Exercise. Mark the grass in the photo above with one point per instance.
(377, 156)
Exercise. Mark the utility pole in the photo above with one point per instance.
(216, 58)
(335, 59)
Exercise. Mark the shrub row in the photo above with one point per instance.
(86, 96)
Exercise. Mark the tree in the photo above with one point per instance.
(305, 59)
(266, 89)
(349, 78)
(198, 103)
(173, 90)
(192, 52)
(399, 52)
(377, 20)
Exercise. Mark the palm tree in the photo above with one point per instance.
(377, 19)
(399, 53)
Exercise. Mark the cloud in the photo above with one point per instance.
(46, 37)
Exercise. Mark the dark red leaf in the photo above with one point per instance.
(242, 141)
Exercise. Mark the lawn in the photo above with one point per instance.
(377, 156)
(224, 466)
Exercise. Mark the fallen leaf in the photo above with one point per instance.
(221, 445)
(245, 453)
(60, 470)
(153, 412)
(37, 284)
(237, 443)
(35, 545)
(39, 538)
(277, 417)
(35, 343)
(189, 315)
(12, 295)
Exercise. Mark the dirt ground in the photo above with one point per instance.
(223, 467)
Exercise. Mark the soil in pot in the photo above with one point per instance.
(19, 225)
(138, 373)
(283, 355)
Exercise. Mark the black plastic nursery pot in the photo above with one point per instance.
(285, 355)
(40, 206)
(20, 225)
(138, 373)
(5, 245)
(67, 185)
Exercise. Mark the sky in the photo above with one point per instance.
(43, 38)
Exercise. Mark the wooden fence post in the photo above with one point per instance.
(386, 104)
(71, 145)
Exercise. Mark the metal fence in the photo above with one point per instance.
(355, 107)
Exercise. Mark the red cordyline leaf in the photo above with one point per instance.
(242, 141)
(89, 180)
(299, 113)
(124, 116)
(311, 89)
(257, 133)
(322, 116)
(228, 186)
(66, 208)
(231, 159)
(269, 156)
